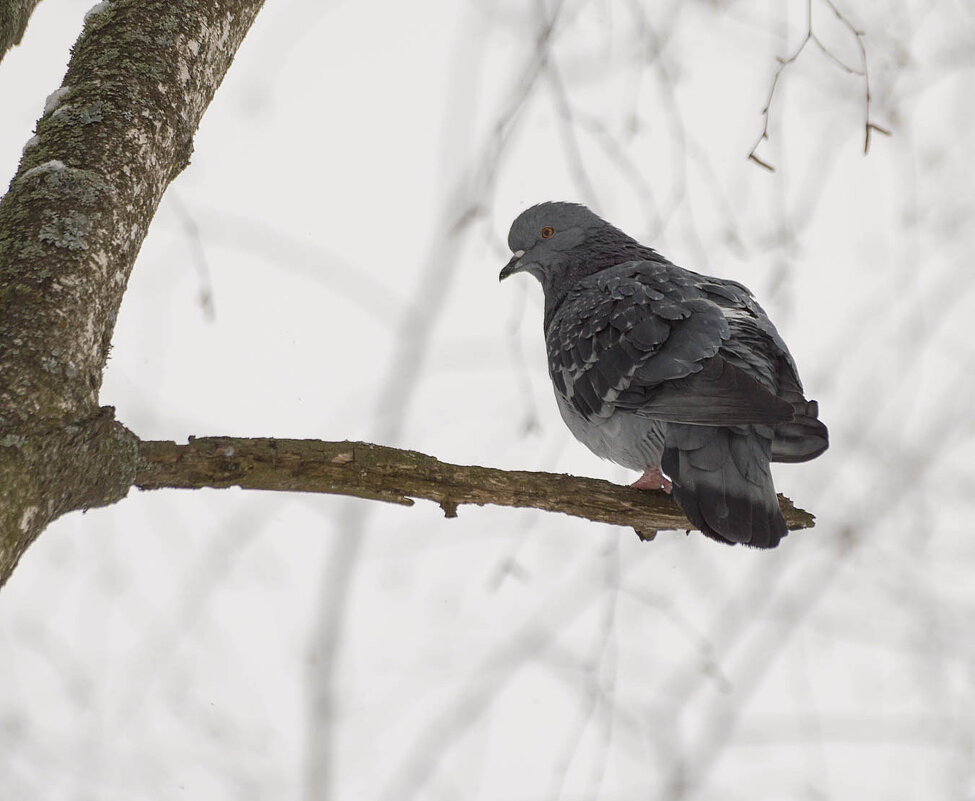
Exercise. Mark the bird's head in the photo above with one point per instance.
(543, 238)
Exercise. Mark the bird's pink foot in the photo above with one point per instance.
(653, 479)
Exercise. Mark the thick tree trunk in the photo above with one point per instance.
(111, 139)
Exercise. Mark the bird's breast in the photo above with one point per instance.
(622, 437)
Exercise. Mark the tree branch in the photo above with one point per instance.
(379, 473)
(785, 62)
(14, 16)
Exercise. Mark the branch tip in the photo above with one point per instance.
(760, 162)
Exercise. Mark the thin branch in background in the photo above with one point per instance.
(597, 704)
(281, 250)
(606, 660)
(570, 139)
(192, 231)
(787, 608)
(328, 636)
(653, 39)
(784, 240)
(464, 204)
(783, 64)
(161, 640)
(868, 124)
(532, 635)
(629, 171)
(531, 418)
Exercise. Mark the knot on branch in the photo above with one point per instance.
(47, 472)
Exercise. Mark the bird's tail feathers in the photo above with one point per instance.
(802, 438)
(722, 481)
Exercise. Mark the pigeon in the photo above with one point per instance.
(667, 371)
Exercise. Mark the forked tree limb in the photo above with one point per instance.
(784, 62)
(380, 473)
(107, 145)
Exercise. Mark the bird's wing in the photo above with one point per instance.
(757, 345)
(665, 343)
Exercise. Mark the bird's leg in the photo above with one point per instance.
(653, 479)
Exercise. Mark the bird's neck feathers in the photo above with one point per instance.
(599, 252)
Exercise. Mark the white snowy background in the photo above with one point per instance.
(327, 267)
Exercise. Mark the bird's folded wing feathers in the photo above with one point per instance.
(630, 339)
(720, 394)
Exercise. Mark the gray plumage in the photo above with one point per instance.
(655, 366)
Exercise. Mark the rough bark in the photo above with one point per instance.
(389, 474)
(14, 16)
(47, 473)
(111, 139)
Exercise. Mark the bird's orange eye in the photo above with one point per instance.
(547, 232)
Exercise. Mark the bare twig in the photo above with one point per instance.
(783, 63)
(858, 34)
(192, 231)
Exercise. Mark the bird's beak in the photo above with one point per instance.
(512, 266)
